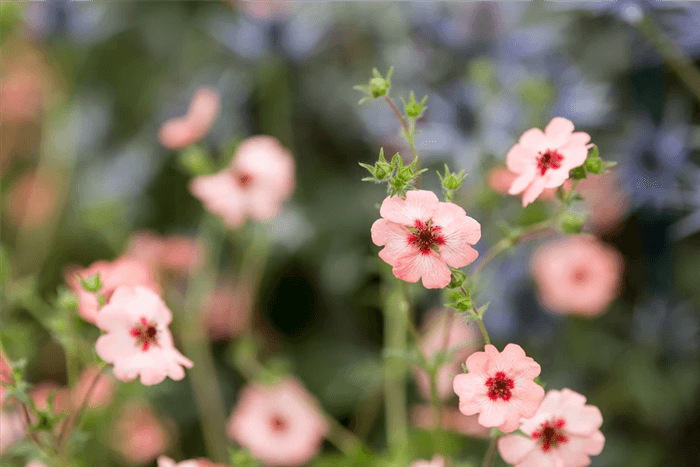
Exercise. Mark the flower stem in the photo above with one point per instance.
(397, 112)
(479, 320)
(395, 368)
(490, 453)
(75, 419)
(190, 328)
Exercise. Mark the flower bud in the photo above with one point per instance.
(412, 107)
(92, 283)
(572, 223)
(578, 173)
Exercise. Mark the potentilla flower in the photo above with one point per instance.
(137, 339)
(255, 185)
(121, 271)
(438, 461)
(564, 433)
(139, 435)
(577, 275)
(181, 132)
(422, 236)
(176, 254)
(543, 159)
(500, 387)
(500, 179)
(281, 424)
(448, 333)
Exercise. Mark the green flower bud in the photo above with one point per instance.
(91, 284)
(412, 107)
(572, 223)
(594, 165)
(578, 173)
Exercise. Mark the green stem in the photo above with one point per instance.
(190, 329)
(490, 453)
(395, 368)
(479, 320)
(75, 419)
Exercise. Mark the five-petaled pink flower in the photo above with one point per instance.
(281, 424)
(121, 271)
(180, 132)
(499, 386)
(563, 433)
(138, 341)
(577, 275)
(422, 236)
(543, 159)
(254, 185)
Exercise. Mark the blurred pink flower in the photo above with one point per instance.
(36, 464)
(40, 396)
(266, 10)
(438, 461)
(137, 339)
(139, 436)
(281, 424)
(564, 433)
(121, 271)
(32, 200)
(605, 200)
(228, 309)
(500, 179)
(256, 183)
(12, 428)
(577, 275)
(543, 159)
(422, 236)
(102, 393)
(461, 340)
(178, 254)
(181, 132)
(6, 376)
(451, 419)
(500, 387)
(164, 461)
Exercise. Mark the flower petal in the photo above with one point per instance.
(430, 267)
(395, 237)
(418, 205)
(522, 182)
(533, 139)
(514, 448)
(534, 190)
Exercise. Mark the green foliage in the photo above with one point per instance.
(195, 161)
(572, 223)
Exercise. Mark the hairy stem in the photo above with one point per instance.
(395, 368)
(75, 419)
(490, 453)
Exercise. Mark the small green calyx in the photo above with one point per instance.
(381, 171)
(413, 108)
(595, 165)
(578, 173)
(91, 284)
(378, 85)
(572, 223)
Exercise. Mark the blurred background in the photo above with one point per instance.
(86, 86)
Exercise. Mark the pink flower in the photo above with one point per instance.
(438, 461)
(422, 236)
(445, 332)
(499, 386)
(500, 179)
(256, 183)
(12, 428)
(564, 433)
(543, 160)
(281, 425)
(32, 200)
(577, 275)
(175, 253)
(181, 132)
(36, 464)
(121, 271)
(164, 461)
(102, 393)
(138, 341)
(6, 376)
(228, 309)
(605, 200)
(451, 419)
(139, 436)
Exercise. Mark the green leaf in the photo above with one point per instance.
(578, 173)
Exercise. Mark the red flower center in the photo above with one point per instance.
(426, 236)
(278, 424)
(549, 160)
(243, 179)
(551, 434)
(579, 275)
(499, 387)
(145, 333)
